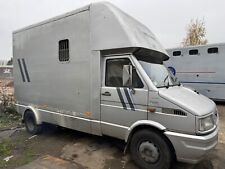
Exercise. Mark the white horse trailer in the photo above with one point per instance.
(200, 67)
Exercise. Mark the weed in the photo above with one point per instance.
(5, 148)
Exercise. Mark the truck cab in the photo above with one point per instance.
(139, 94)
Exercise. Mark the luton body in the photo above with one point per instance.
(200, 68)
(100, 71)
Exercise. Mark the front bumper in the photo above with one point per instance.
(192, 148)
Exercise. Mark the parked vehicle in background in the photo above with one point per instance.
(201, 68)
(98, 70)
(6, 84)
(6, 72)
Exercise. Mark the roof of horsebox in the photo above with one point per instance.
(112, 28)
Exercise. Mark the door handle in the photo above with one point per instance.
(106, 94)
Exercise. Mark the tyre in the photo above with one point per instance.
(150, 150)
(30, 123)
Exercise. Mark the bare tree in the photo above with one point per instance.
(196, 33)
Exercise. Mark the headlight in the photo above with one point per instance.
(206, 123)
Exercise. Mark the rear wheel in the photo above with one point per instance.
(150, 150)
(30, 123)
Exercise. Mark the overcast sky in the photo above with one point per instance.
(167, 19)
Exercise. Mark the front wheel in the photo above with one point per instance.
(30, 123)
(150, 150)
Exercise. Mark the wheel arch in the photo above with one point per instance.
(147, 124)
(143, 124)
(35, 113)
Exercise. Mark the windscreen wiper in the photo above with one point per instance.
(164, 81)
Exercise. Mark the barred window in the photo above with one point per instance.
(64, 50)
(213, 50)
(193, 52)
(177, 53)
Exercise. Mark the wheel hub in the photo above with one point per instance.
(149, 152)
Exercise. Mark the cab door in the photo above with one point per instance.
(123, 98)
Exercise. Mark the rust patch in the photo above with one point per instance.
(43, 106)
(151, 109)
(59, 161)
(88, 114)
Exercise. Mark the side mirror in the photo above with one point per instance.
(127, 75)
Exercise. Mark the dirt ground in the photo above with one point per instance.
(88, 151)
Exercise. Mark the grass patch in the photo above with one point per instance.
(24, 158)
(21, 154)
(5, 150)
(9, 118)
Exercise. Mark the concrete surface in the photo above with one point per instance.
(7, 133)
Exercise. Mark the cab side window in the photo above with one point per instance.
(114, 74)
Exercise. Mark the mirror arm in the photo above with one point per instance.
(132, 90)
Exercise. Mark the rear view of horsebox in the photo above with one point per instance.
(100, 71)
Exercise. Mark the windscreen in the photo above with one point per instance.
(159, 74)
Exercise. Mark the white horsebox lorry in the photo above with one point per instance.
(201, 68)
(99, 71)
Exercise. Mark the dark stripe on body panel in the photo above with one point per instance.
(121, 98)
(129, 99)
(25, 69)
(21, 70)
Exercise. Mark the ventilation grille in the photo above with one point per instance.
(174, 112)
(179, 113)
